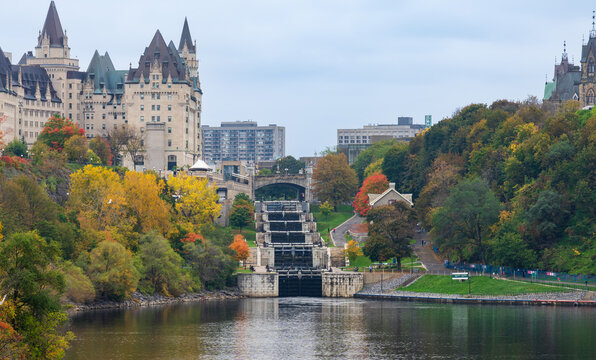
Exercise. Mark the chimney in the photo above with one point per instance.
(392, 186)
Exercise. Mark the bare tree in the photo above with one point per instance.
(126, 139)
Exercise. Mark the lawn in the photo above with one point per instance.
(333, 220)
(249, 233)
(242, 270)
(480, 285)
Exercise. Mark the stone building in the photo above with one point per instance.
(161, 97)
(572, 82)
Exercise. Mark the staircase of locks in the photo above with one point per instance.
(292, 259)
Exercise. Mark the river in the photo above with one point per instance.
(323, 328)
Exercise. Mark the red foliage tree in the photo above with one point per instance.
(57, 130)
(374, 184)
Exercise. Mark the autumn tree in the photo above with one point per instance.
(25, 204)
(374, 184)
(102, 149)
(352, 251)
(97, 195)
(326, 209)
(240, 246)
(461, 226)
(334, 180)
(112, 271)
(390, 231)
(76, 148)
(57, 130)
(147, 210)
(196, 201)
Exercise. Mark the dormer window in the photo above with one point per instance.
(591, 66)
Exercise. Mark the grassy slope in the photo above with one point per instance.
(343, 213)
(249, 233)
(481, 285)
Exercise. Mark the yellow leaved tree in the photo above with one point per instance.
(97, 195)
(196, 201)
(147, 210)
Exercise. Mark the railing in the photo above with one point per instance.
(526, 274)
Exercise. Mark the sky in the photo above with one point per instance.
(314, 66)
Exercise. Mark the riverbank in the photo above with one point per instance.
(141, 300)
(385, 291)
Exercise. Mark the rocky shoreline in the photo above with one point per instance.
(138, 299)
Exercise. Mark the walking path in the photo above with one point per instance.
(428, 258)
(339, 236)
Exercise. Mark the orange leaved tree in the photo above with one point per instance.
(241, 247)
(374, 184)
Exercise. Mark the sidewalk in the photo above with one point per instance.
(427, 256)
(339, 236)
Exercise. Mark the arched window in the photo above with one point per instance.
(591, 66)
(590, 97)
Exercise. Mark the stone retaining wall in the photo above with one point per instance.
(258, 285)
(341, 284)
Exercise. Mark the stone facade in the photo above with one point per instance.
(342, 284)
(161, 98)
(259, 284)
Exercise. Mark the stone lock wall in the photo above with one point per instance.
(342, 284)
(259, 285)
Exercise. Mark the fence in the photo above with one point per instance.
(525, 274)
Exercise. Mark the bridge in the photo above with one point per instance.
(302, 182)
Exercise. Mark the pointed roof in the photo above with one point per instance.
(171, 63)
(200, 165)
(5, 72)
(186, 39)
(53, 28)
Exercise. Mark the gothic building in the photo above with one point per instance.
(161, 97)
(572, 82)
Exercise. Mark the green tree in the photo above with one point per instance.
(547, 218)
(395, 166)
(112, 271)
(25, 204)
(240, 216)
(461, 227)
(326, 209)
(16, 148)
(372, 154)
(289, 162)
(32, 284)
(161, 269)
(391, 229)
(334, 180)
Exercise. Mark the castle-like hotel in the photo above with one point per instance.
(161, 98)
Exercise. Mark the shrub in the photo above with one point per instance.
(111, 270)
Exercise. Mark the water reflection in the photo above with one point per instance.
(303, 328)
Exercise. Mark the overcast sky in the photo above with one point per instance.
(314, 66)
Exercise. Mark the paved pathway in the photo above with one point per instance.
(427, 256)
(339, 237)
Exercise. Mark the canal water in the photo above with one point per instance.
(323, 328)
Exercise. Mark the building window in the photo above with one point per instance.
(169, 96)
(158, 96)
(158, 107)
(142, 118)
(169, 130)
(169, 107)
(103, 126)
(591, 66)
(169, 119)
(158, 119)
(142, 96)
(142, 85)
(169, 142)
(153, 119)
(142, 107)
(590, 97)
(153, 107)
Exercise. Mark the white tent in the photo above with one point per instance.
(200, 165)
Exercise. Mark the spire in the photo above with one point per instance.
(52, 28)
(564, 55)
(593, 32)
(186, 39)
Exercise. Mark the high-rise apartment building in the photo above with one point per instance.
(243, 141)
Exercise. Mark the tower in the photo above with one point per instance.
(53, 53)
(587, 85)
